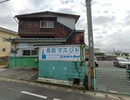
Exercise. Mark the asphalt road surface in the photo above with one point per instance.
(107, 65)
(111, 78)
(19, 91)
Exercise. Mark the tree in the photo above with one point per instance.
(126, 54)
(118, 54)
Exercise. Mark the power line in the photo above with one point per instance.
(4, 1)
(82, 8)
(83, 21)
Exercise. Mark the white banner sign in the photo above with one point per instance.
(60, 53)
(23, 45)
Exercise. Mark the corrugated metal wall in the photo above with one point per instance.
(61, 70)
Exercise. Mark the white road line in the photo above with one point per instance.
(123, 78)
(32, 94)
(56, 99)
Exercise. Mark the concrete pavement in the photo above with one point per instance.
(30, 74)
(27, 75)
(19, 91)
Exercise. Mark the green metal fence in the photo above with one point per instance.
(112, 80)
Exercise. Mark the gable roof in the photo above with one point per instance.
(47, 14)
(9, 31)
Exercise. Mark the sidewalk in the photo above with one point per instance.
(30, 75)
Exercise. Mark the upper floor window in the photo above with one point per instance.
(46, 24)
(4, 40)
(3, 49)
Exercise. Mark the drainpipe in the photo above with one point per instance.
(14, 60)
(14, 54)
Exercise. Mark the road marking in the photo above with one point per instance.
(32, 94)
(123, 78)
(37, 95)
(56, 99)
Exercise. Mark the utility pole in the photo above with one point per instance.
(113, 51)
(90, 41)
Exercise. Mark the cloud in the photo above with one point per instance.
(104, 32)
(107, 4)
(66, 10)
(108, 16)
(103, 20)
(66, 1)
(106, 11)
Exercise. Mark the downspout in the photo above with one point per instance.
(14, 60)
(70, 34)
(14, 53)
(15, 45)
(16, 20)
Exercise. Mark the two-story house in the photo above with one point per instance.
(50, 42)
(5, 45)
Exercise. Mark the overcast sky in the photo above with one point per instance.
(110, 18)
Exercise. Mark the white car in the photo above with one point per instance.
(121, 62)
(96, 61)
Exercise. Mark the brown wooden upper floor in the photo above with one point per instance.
(50, 25)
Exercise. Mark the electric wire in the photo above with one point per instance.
(4, 1)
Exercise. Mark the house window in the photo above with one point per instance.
(46, 24)
(34, 52)
(4, 40)
(3, 49)
(30, 52)
(26, 52)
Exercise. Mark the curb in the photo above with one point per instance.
(61, 88)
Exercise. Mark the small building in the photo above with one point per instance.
(50, 42)
(100, 55)
(5, 45)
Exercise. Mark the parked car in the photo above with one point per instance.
(121, 62)
(95, 59)
(124, 64)
(127, 58)
(96, 62)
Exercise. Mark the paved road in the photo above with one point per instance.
(107, 65)
(111, 78)
(19, 91)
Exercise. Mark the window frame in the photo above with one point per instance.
(4, 40)
(33, 54)
(30, 53)
(4, 49)
(26, 55)
(47, 24)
